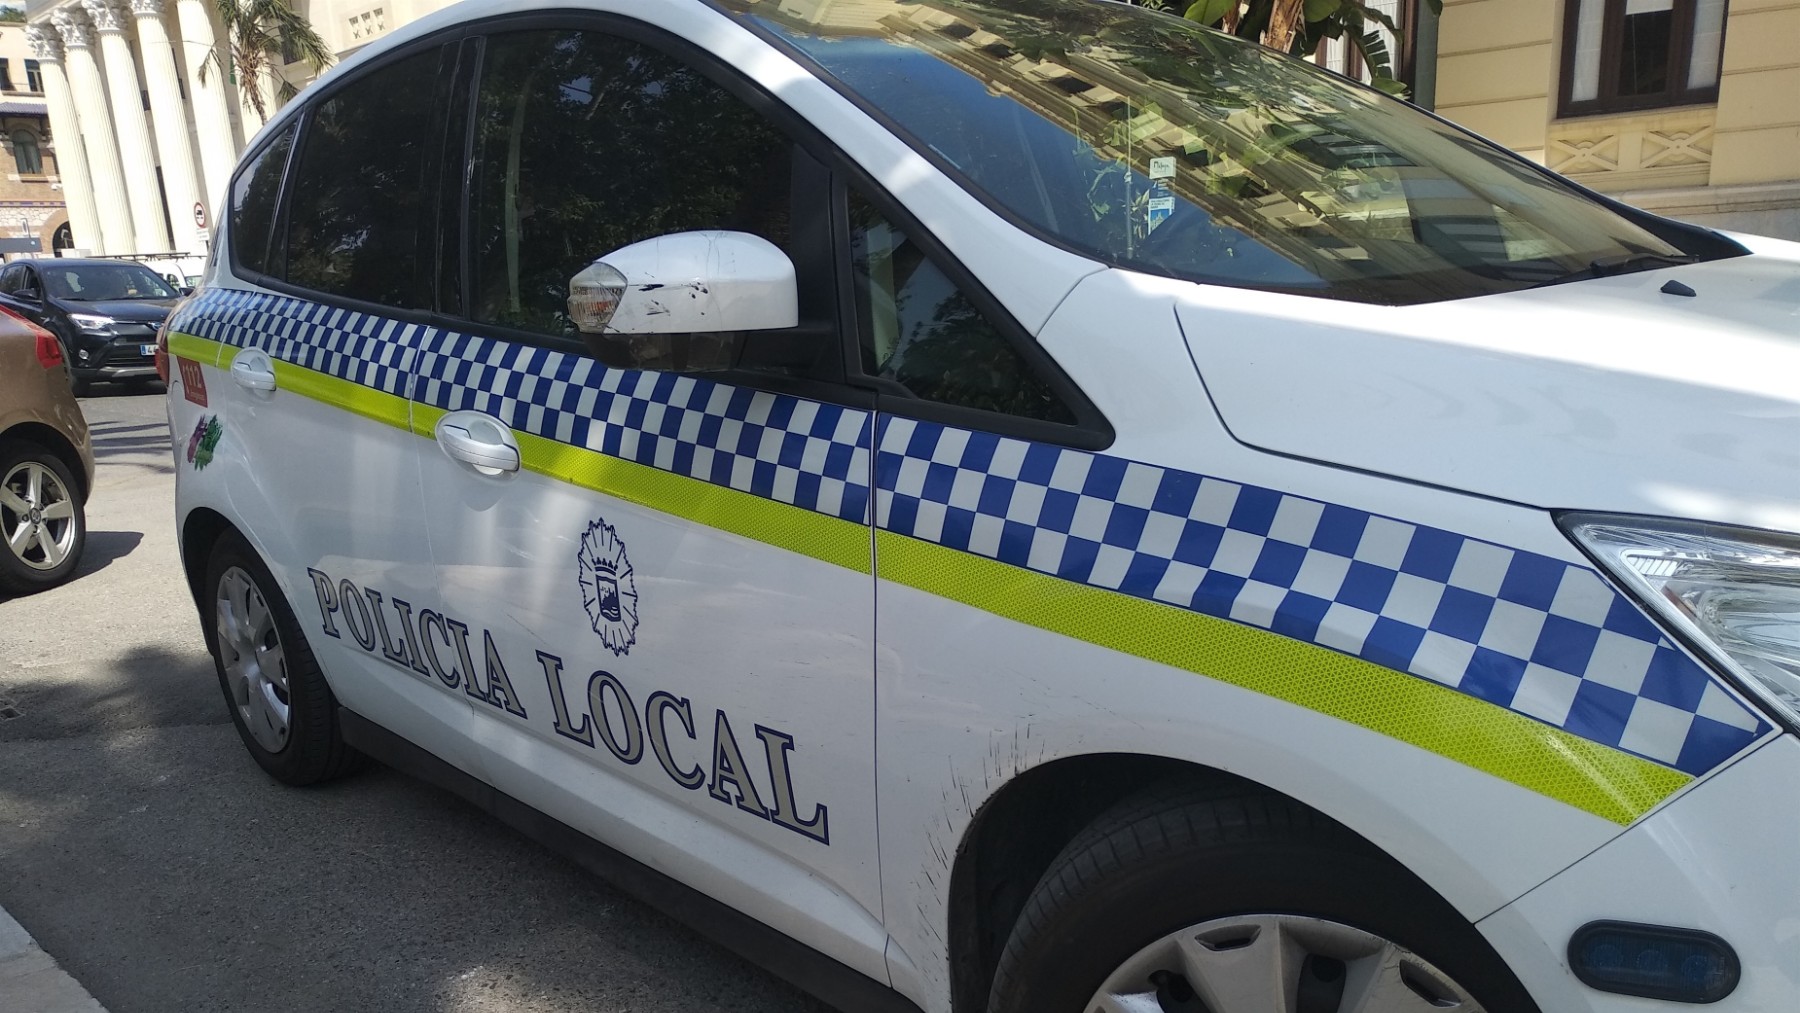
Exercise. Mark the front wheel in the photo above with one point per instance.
(42, 524)
(1240, 901)
(279, 701)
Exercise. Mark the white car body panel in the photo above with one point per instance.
(1719, 860)
(1607, 377)
(345, 501)
(760, 635)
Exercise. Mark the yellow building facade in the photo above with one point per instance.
(1710, 134)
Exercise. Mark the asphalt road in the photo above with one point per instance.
(148, 854)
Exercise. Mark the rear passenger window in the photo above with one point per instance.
(253, 199)
(584, 143)
(359, 203)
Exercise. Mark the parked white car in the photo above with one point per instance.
(1015, 505)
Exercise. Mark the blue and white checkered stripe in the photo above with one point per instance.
(792, 450)
(1535, 634)
(359, 347)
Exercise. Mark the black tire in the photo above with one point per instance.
(314, 750)
(23, 575)
(1176, 856)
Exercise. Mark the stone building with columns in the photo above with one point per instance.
(33, 218)
(148, 126)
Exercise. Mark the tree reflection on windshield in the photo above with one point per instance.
(1148, 142)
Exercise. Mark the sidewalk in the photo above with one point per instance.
(30, 981)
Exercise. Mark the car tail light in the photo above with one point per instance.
(162, 351)
(49, 350)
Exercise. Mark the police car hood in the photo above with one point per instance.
(1607, 394)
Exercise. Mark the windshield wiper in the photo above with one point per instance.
(1625, 263)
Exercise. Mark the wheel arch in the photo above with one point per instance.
(56, 443)
(202, 527)
(1018, 832)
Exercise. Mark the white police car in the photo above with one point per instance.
(1042, 506)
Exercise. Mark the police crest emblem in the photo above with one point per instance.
(608, 591)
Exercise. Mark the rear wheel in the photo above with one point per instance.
(42, 524)
(1240, 901)
(279, 701)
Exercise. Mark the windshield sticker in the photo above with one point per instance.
(205, 439)
(608, 591)
(1162, 167)
(1160, 210)
(193, 380)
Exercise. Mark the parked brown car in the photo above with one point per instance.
(46, 461)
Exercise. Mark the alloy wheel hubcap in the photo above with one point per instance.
(255, 664)
(1278, 964)
(37, 516)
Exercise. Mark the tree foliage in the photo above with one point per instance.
(259, 36)
(1298, 26)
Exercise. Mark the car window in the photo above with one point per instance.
(358, 205)
(921, 331)
(585, 143)
(9, 278)
(253, 198)
(1145, 141)
(101, 282)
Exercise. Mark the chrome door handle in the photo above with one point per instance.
(478, 440)
(253, 370)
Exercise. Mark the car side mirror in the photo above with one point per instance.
(680, 301)
(29, 293)
(186, 290)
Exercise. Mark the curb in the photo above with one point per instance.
(30, 981)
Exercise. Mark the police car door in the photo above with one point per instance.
(315, 335)
(657, 572)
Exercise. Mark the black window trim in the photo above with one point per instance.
(1091, 430)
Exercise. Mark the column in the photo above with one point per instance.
(206, 86)
(65, 135)
(96, 131)
(150, 234)
(168, 117)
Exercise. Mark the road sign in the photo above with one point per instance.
(199, 215)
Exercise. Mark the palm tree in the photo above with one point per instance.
(262, 36)
(1297, 26)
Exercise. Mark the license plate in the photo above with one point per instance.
(147, 349)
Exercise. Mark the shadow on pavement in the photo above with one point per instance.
(147, 686)
(105, 546)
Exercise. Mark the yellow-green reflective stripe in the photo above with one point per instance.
(198, 349)
(1599, 779)
(389, 409)
(822, 537)
(368, 402)
(1595, 778)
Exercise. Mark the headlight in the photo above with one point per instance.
(1734, 592)
(92, 323)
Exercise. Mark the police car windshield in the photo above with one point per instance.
(102, 282)
(1148, 142)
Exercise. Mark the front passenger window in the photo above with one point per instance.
(586, 142)
(924, 333)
